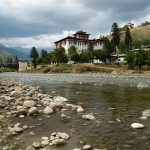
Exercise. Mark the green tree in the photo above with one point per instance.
(90, 46)
(34, 55)
(86, 56)
(73, 54)
(147, 61)
(115, 35)
(130, 58)
(107, 45)
(146, 23)
(44, 56)
(137, 44)
(128, 39)
(146, 42)
(59, 55)
(140, 58)
(121, 47)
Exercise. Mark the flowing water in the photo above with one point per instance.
(116, 103)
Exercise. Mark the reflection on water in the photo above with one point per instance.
(115, 102)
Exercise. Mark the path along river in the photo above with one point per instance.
(116, 103)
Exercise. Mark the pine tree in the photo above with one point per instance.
(34, 55)
(128, 39)
(107, 45)
(90, 46)
(115, 35)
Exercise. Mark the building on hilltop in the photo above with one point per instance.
(130, 25)
(80, 40)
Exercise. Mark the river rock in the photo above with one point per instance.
(63, 116)
(48, 110)
(60, 99)
(45, 142)
(146, 113)
(137, 125)
(14, 93)
(30, 148)
(2, 105)
(80, 110)
(62, 135)
(45, 138)
(58, 142)
(29, 104)
(88, 117)
(1, 117)
(36, 144)
(87, 147)
(21, 112)
(33, 110)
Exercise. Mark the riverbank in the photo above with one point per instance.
(106, 70)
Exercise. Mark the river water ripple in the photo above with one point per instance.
(115, 102)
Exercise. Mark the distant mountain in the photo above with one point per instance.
(13, 52)
(20, 49)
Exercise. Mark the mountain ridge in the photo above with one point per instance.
(7, 51)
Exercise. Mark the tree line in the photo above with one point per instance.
(112, 45)
(9, 62)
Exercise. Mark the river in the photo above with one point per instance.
(116, 103)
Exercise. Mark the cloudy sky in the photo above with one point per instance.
(39, 23)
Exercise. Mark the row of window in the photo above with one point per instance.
(83, 44)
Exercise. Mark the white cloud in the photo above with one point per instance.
(41, 22)
(40, 41)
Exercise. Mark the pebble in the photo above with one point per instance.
(36, 144)
(87, 147)
(137, 125)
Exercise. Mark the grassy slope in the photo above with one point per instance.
(138, 33)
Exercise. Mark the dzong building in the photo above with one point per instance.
(80, 40)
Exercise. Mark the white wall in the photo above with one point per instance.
(80, 46)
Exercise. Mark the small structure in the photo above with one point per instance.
(23, 64)
(130, 25)
(118, 58)
(80, 40)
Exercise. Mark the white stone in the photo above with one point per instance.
(58, 142)
(87, 147)
(29, 104)
(14, 93)
(80, 110)
(44, 143)
(32, 133)
(146, 113)
(62, 135)
(36, 144)
(143, 118)
(33, 110)
(48, 110)
(63, 116)
(88, 117)
(21, 116)
(60, 99)
(45, 138)
(137, 125)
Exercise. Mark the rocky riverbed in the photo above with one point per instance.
(23, 100)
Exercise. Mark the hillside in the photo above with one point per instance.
(6, 51)
(138, 33)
